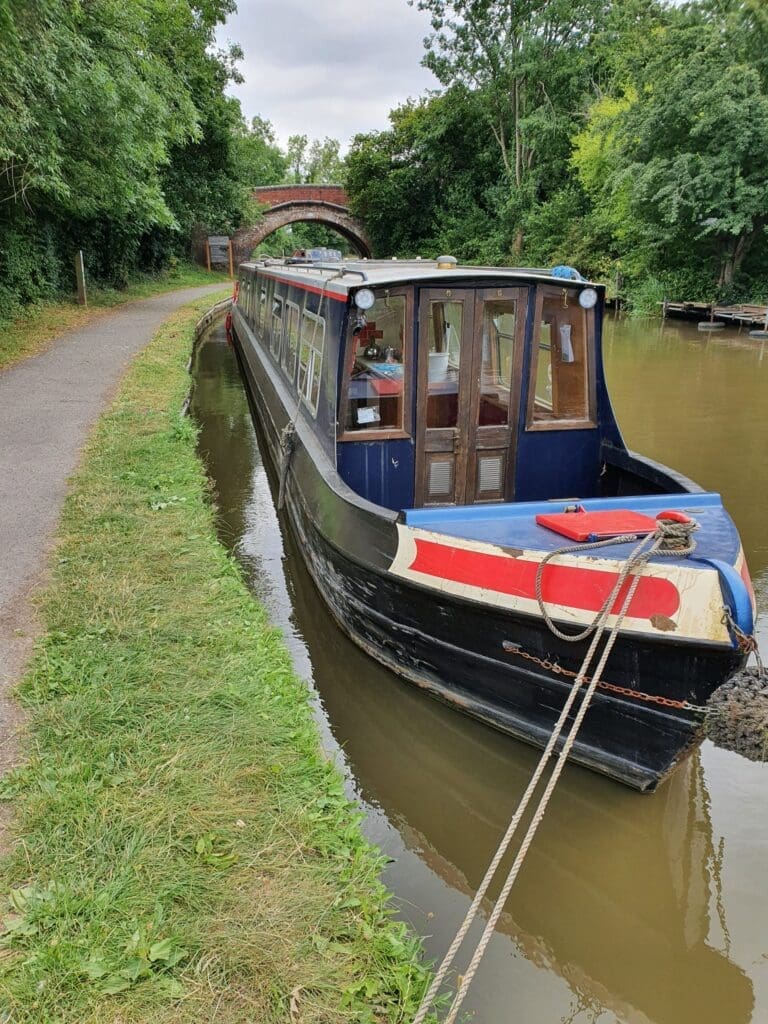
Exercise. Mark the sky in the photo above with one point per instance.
(327, 67)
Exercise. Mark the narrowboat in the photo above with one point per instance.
(437, 432)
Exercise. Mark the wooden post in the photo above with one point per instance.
(82, 295)
(208, 255)
(231, 261)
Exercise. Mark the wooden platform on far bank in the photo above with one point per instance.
(742, 314)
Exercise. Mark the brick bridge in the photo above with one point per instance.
(289, 204)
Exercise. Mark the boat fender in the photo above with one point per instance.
(737, 714)
(287, 446)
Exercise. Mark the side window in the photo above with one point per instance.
(276, 326)
(559, 386)
(311, 358)
(292, 340)
(261, 309)
(248, 308)
(377, 368)
(266, 313)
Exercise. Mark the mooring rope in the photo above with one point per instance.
(677, 541)
(638, 557)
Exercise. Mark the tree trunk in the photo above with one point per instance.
(735, 256)
(517, 245)
(518, 137)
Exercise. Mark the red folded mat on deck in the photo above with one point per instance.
(585, 526)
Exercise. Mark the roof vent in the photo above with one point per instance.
(446, 262)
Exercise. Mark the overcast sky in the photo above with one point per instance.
(327, 67)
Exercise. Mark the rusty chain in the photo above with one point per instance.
(624, 691)
(747, 644)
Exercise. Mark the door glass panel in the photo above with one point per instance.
(444, 356)
(498, 341)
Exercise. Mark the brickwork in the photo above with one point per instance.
(291, 204)
(275, 195)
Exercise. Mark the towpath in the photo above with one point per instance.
(47, 405)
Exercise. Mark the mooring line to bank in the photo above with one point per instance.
(663, 540)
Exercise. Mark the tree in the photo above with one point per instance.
(531, 61)
(431, 183)
(261, 160)
(324, 165)
(314, 163)
(115, 135)
(296, 156)
(689, 152)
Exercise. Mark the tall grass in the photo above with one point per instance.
(645, 298)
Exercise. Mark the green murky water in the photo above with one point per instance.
(629, 908)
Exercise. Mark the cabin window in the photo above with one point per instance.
(277, 326)
(377, 362)
(261, 312)
(561, 361)
(292, 340)
(311, 358)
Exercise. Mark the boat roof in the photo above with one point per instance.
(344, 276)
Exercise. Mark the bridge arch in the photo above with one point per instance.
(292, 204)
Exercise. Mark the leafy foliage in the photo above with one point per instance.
(628, 139)
(115, 137)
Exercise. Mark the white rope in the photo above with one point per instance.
(637, 558)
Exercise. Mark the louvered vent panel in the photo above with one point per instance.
(489, 473)
(440, 479)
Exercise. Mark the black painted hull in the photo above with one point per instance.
(454, 648)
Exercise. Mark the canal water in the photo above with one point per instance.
(632, 909)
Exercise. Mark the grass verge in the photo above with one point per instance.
(40, 324)
(186, 853)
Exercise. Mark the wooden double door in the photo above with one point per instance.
(470, 361)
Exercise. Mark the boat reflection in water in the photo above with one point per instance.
(617, 912)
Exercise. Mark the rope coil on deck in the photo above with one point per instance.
(675, 540)
(638, 558)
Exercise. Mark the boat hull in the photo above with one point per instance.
(458, 653)
(459, 650)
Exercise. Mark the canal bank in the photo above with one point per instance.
(47, 404)
(187, 850)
